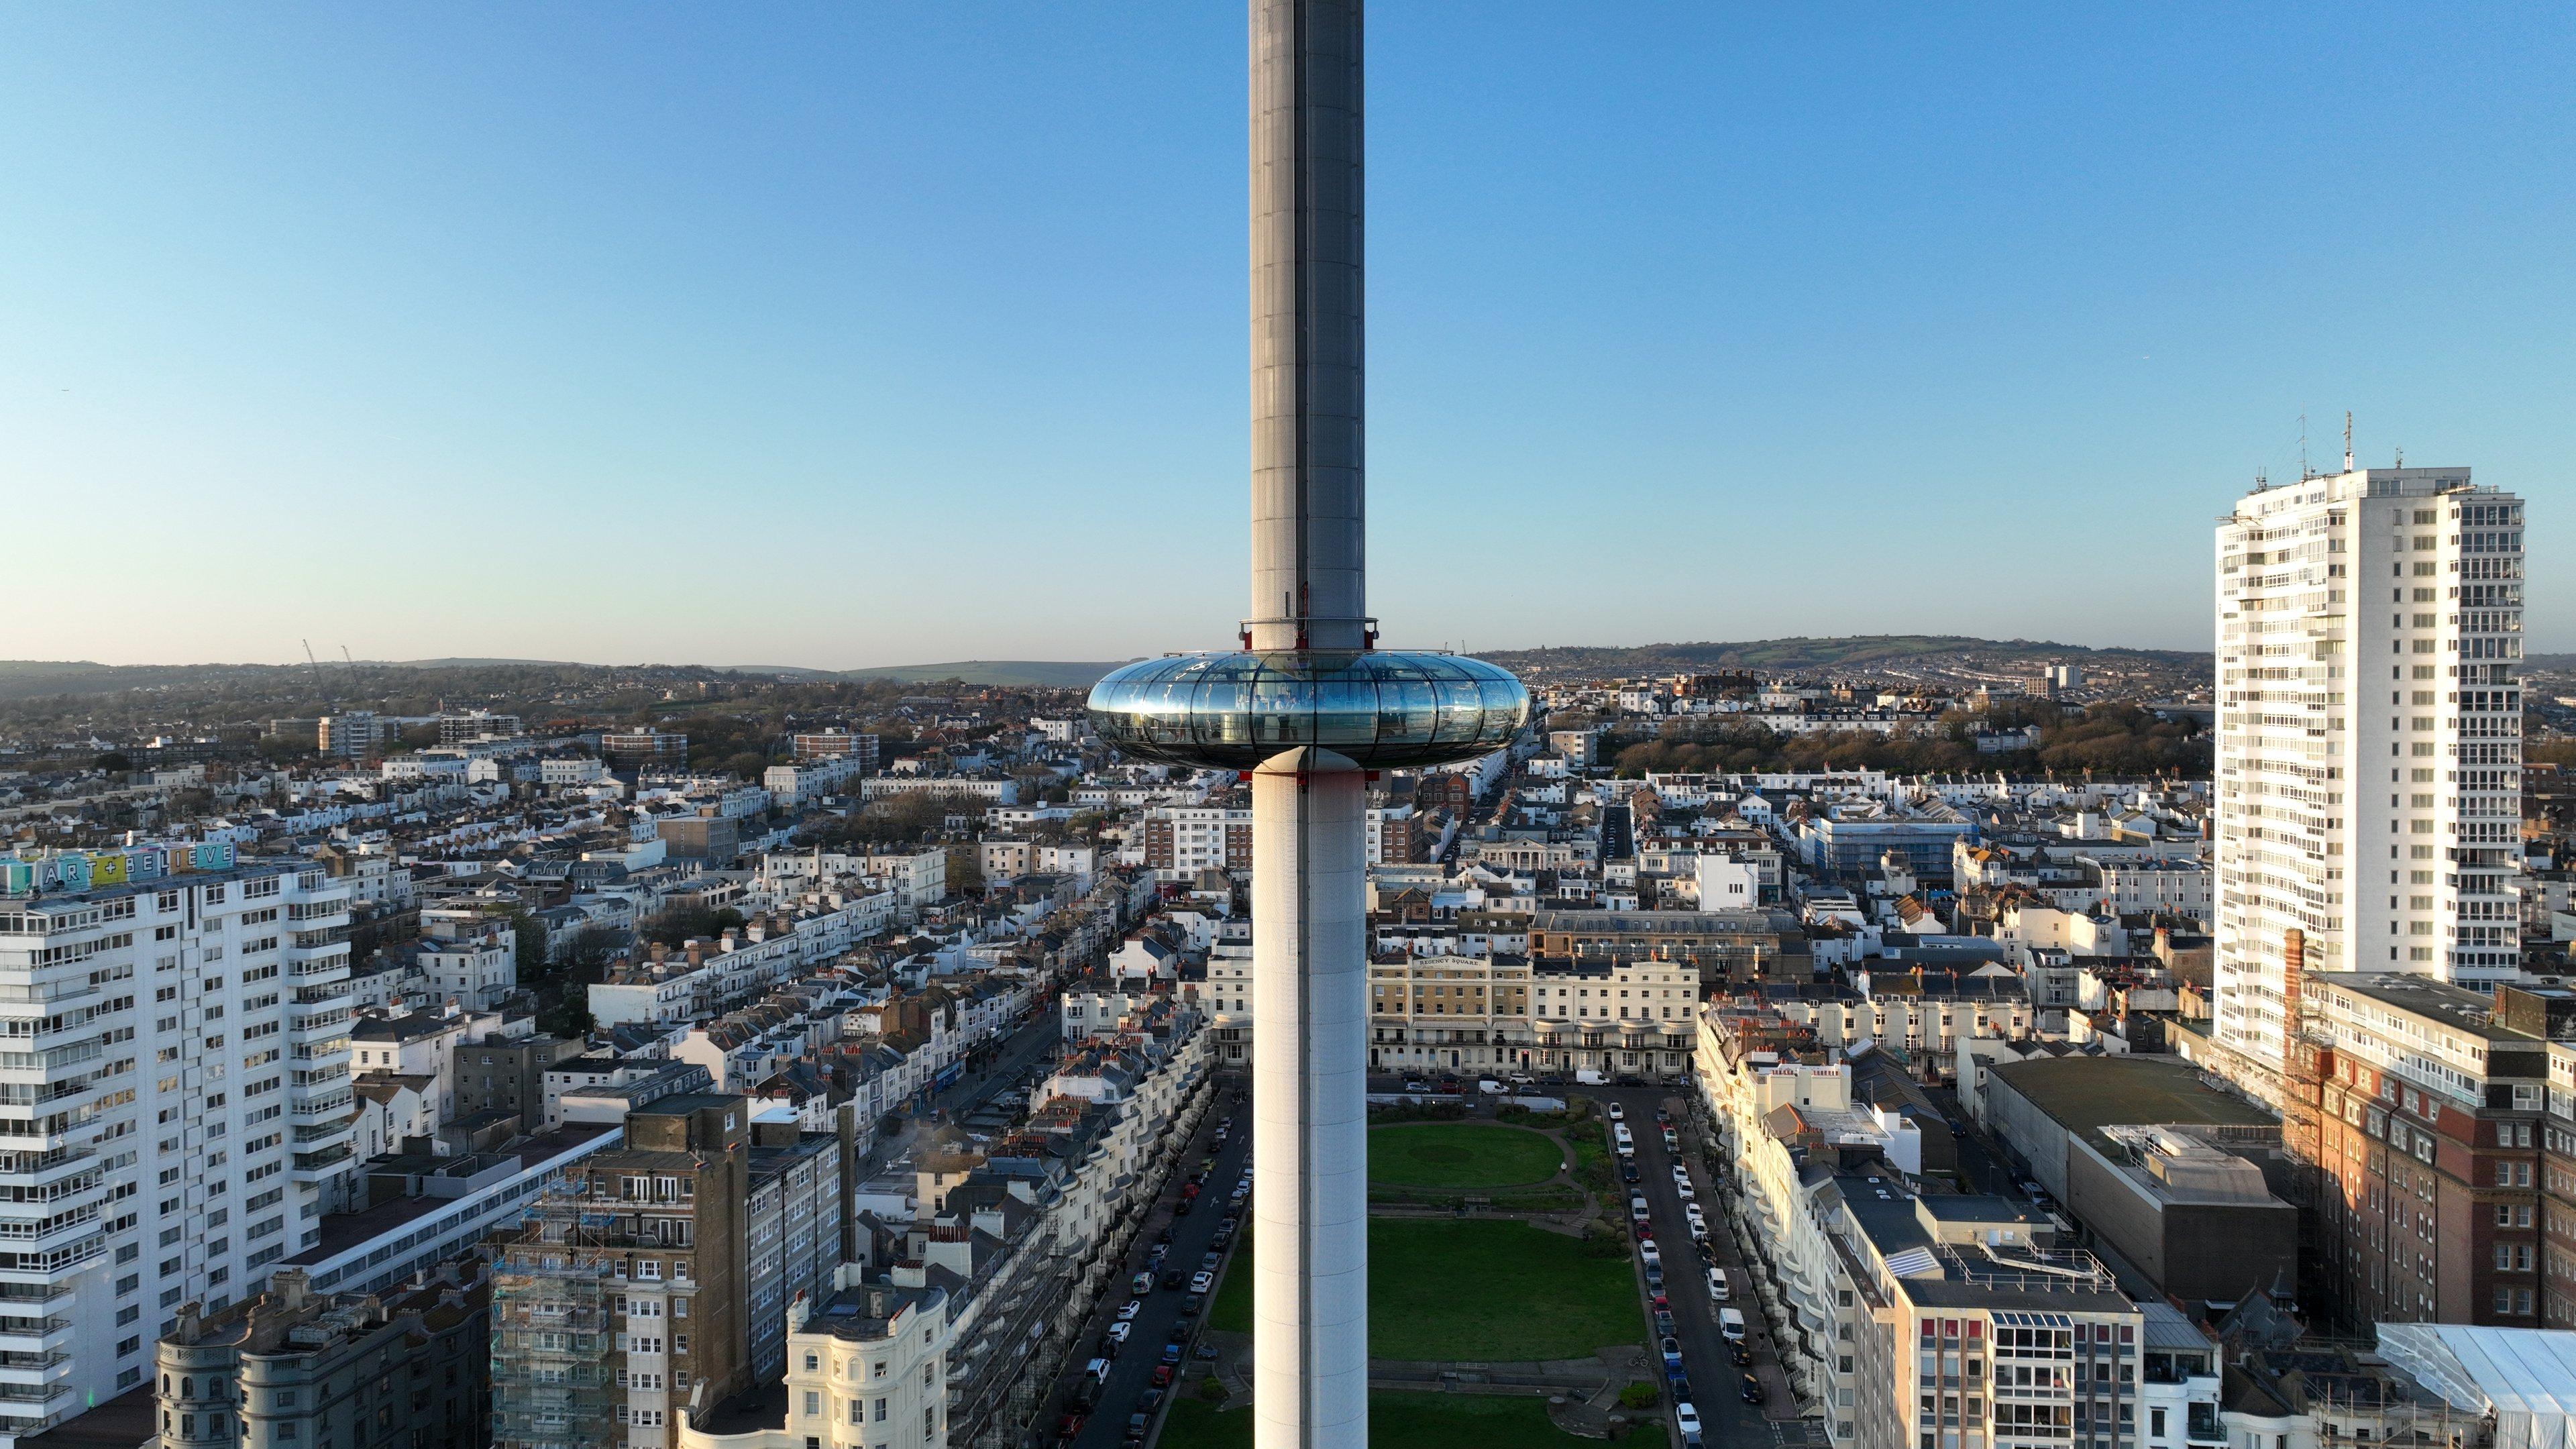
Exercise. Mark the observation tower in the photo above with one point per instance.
(1309, 706)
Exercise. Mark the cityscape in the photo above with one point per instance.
(1867, 1040)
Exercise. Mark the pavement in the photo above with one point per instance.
(1131, 1371)
(1725, 1419)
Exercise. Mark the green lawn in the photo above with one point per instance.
(1231, 1311)
(1591, 1158)
(1413, 1421)
(1480, 1289)
(1460, 1154)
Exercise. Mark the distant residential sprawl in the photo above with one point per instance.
(658, 1055)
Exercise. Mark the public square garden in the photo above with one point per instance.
(1477, 1255)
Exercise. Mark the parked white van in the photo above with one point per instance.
(1730, 1322)
(1717, 1289)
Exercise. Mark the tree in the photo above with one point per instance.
(905, 819)
(965, 866)
(689, 923)
(749, 764)
(283, 749)
(114, 762)
(590, 951)
(569, 1017)
(530, 934)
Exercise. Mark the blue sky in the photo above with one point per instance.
(868, 334)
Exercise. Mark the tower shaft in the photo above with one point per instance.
(1309, 1103)
(1309, 538)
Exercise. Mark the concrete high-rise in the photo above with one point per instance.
(1308, 707)
(178, 1115)
(2369, 742)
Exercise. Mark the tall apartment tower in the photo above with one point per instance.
(177, 1114)
(2369, 756)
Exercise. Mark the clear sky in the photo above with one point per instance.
(869, 333)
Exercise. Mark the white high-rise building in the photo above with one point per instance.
(175, 1112)
(2369, 738)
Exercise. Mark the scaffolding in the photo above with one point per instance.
(551, 1335)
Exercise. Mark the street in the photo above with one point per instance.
(1714, 1377)
(1130, 1373)
(1040, 1040)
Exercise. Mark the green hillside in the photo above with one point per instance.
(1026, 673)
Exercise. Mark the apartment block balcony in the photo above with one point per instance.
(318, 1058)
(311, 1134)
(27, 1408)
(333, 1104)
(22, 992)
(35, 1335)
(20, 1266)
(49, 1065)
(34, 1370)
(45, 1134)
(49, 1224)
(330, 963)
(315, 1165)
(318, 1026)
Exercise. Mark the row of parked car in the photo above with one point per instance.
(1650, 1257)
(1160, 1273)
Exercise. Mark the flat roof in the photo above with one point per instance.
(2456, 1007)
(342, 1231)
(2084, 1094)
(129, 1420)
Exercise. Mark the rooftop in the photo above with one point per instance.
(2456, 1007)
(2084, 1094)
(341, 1231)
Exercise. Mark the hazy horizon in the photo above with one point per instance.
(332, 661)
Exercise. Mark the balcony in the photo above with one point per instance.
(321, 1163)
(308, 966)
(51, 993)
(25, 1235)
(330, 1104)
(26, 1298)
(35, 1335)
(42, 1403)
(319, 1025)
(50, 1061)
(37, 1369)
(48, 1262)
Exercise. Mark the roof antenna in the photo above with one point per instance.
(2401, 457)
(2304, 474)
(2347, 440)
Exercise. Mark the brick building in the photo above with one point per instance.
(2420, 1104)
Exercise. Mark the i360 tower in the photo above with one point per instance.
(1309, 706)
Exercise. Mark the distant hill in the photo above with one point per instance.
(457, 663)
(49, 666)
(1027, 673)
(1894, 654)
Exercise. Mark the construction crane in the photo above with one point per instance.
(319, 683)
